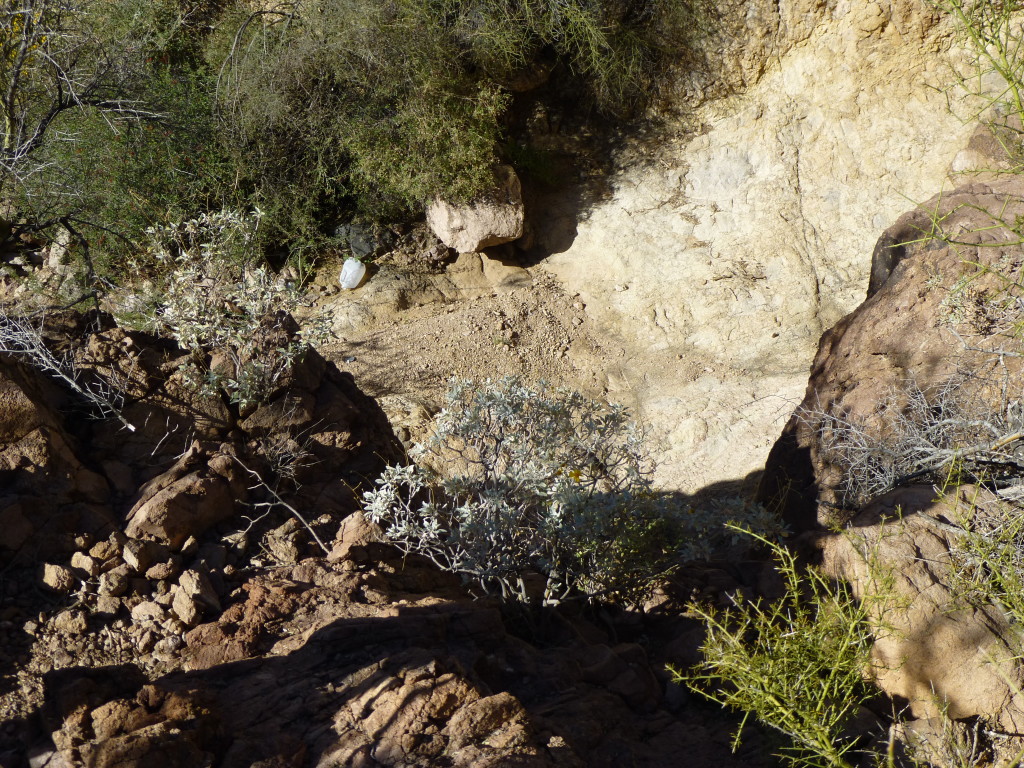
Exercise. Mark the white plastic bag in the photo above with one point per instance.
(352, 273)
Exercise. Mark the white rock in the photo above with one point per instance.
(496, 218)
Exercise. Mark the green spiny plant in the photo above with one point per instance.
(798, 664)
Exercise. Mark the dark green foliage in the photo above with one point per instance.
(375, 107)
(120, 176)
(314, 113)
(140, 147)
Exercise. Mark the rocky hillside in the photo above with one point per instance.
(165, 601)
(186, 577)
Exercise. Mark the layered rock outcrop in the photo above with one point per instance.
(363, 662)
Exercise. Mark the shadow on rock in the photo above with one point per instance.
(401, 678)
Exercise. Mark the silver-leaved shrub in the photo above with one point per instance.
(539, 494)
(211, 298)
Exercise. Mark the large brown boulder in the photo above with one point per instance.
(938, 309)
(940, 325)
(939, 653)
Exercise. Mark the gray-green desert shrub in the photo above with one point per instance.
(920, 436)
(523, 485)
(534, 481)
(212, 299)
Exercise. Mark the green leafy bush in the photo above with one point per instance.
(109, 121)
(521, 485)
(120, 176)
(379, 106)
(313, 112)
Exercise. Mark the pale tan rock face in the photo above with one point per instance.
(721, 256)
(495, 219)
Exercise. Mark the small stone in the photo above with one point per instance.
(186, 607)
(145, 641)
(102, 551)
(58, 578)
(173, 626)
(148, 611)
(165, 571)
(167, 649)
(190, 546)
(134, 556)
(197, 585)
(114, 582)
(71, 622)
(283, 545)
(141, 555)
(31, 627)
(85, 564)
(108, 605)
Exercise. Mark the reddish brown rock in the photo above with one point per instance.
(938, 654)
(197, 492)
(47, 495)
(904, 332)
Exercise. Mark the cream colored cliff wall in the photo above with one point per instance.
(721, 255)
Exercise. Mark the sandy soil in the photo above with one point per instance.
(409, 329)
